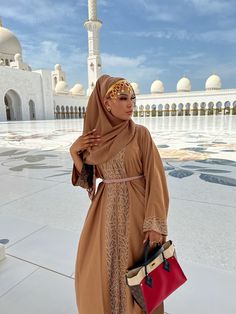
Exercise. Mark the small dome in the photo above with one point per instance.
(18, 57)
(157, 87)
(135, 88)
(78, 89)
(213, 82)
(9, 44)
(61, 87)
(57, 67)
(184, 85)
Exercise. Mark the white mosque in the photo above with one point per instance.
(27, 94)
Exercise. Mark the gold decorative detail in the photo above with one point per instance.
(121, 86)
(80, 178)
(116, 229)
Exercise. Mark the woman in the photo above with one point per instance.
(130, 205)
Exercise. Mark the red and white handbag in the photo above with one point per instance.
(152, 281)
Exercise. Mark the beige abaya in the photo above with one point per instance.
(120, 213)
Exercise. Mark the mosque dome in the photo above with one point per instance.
(78, 89)
(135, 88)
(213, 82)
(57, 67)
(184, 85)
(18, 57)
(61, 87)
(9, 44)
(157, 87)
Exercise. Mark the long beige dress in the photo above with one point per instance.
(112, 237)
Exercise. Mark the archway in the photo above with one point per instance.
(72, 112)
(32, 114)
(210, 108)
(76, 112)
(234, 108)
(202, 109)
(195, 109)
(167, 110)
(218, 107)
(57, 112)
(227, 107)
(141, 111)
(135, 111)
(13, 106)
(173, 110)
(83, 109)
(67, 112)
(154, 112)
(147, 111)
(187, 109)
(160, 110)
(63, 115)
(180, 109)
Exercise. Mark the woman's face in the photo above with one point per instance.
(122, 106)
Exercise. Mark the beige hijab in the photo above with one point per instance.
(115, 133)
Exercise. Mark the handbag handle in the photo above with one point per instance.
(160, 250)
(147, 247)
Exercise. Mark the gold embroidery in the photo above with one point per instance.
(116, 229)
(156, 224)
(80, 178)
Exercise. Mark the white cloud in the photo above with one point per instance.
(134, 69)
(46, 54)
(188, 59)
(219, 36)
(118, 61)
(36, 12)
(214, 36)
(206, 7)
(155, 10)
(162, 34)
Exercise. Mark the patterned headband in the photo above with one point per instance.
(119, 87)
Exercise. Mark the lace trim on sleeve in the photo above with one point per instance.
(80, 178)
(156, 224)
(86, 179)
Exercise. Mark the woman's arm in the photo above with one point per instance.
(156, 191)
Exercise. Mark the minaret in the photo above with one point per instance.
(93, 26)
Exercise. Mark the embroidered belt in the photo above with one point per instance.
(122, 179)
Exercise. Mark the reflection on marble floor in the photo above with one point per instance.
(180, 138)
(42, 214)
(209, 141)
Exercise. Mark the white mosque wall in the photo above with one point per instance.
(67, 106)
(28, 95)
(47, 94)
(188, 101)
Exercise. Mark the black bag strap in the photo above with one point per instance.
(159, 250)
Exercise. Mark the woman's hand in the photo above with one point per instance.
(86, 141)
(154, 238)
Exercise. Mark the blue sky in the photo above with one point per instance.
(141, 40)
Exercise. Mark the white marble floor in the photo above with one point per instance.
(42, 215)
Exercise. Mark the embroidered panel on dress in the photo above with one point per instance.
(116, 230)
(156, 224)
